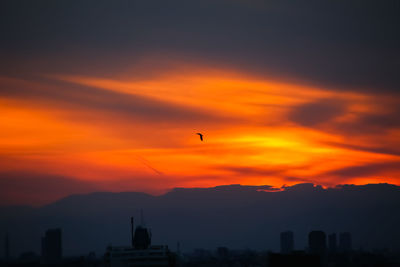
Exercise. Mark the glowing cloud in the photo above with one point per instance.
(139, 134)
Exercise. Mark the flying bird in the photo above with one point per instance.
(201, 136)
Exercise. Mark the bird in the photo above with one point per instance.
(201, 136)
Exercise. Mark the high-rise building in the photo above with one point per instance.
(332, 243)
(345, 242)
(317, 242)
(52, 246)
(287, 242)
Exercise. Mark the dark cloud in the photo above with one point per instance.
(122, 105)
(321, 114)
(297, 179)
(248, 170)
(303, 187)
(366, 170)
(380, 149)
(316, 113)
(380, 122)
(228, 188)
(340, 44)
(372, 123)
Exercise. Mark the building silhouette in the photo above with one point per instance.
(222, 252)
(345, 243)
(293, 259)
(142, 238)
(52, 246)
(140, 253)
(287, 242)
(317, 242)
(332, 243)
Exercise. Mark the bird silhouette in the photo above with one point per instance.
(201, 136)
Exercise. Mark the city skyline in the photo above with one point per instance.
(237, 217)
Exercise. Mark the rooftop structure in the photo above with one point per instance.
(140, 253)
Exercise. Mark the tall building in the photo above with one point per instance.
(287, 242)
(345, 242)
(317, 242)
(332, 243)
(52, 246)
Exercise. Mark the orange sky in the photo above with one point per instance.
(137, 133)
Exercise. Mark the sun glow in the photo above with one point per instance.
(250, 136)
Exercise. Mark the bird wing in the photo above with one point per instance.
(201, 136)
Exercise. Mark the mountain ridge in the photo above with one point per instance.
(235, 216)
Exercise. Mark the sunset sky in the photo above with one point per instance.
(109, 95)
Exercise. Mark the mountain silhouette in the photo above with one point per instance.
(234, 216)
